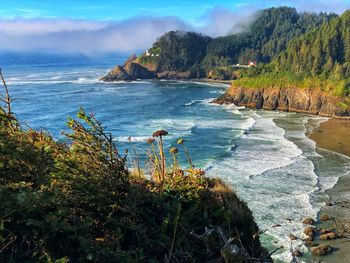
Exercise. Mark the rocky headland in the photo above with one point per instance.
(294, 99)
(135, 70)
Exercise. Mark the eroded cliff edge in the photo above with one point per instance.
(294, 99)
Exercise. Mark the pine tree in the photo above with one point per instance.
(346, 44)
(329, 65)
(338, 71)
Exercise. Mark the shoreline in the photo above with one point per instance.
(334, 135)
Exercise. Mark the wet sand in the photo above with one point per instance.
(334, 135)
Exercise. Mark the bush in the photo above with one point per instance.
(76, 201)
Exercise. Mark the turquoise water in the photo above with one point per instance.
(266, 156)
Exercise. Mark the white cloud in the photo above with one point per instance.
(82, 36)
(221, 22)
(96, 37)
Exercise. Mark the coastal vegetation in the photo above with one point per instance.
(76, 200)
(319, 58)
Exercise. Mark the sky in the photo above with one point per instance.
(103, 26)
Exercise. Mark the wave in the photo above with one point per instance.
(131, 138)
(53, 81)
(204, 101)
(192, 102)
(271, 174)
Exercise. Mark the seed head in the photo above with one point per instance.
(160, 133)
(150, 140)
(174, 150)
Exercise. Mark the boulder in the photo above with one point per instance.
(328, 236)
(325, 231)
(309, 231)
(308, 221)
(325, 217)
(309, 241)
(321, 249)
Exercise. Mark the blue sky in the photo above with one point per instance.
(188, 10)
(125, 26)
(111, 9)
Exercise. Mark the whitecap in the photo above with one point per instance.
(131, 138)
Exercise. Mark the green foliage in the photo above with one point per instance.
(253, 79)
(77, 202)
(306, 51)
(324, 51)
(181, 51)
(264, 39)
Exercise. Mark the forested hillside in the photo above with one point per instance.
(295, 49)
(323, 51)
(264, 39)
(268, 35)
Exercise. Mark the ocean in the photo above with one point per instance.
(265, 155)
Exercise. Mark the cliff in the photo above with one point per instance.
(130, 71)
(306, 100)
(134, 70)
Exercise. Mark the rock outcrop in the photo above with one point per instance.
(117, 74)
(309, 221)
(309, 231)
(328, 236)
(137, 71)
(303, 100)
(130, 71)
(321, 249)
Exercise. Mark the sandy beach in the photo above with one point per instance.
(334, 135)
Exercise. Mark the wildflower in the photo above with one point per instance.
(150, 140)
(180, 141)
(160, 133)
(174, 150)
(198, 172)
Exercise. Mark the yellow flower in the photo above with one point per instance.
(174, 150)
(180, 141)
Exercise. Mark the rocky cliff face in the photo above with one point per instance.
(311, 100)
(117, 74)
(133, 70)
(130, 71)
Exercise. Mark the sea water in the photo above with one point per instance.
(266, 156)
